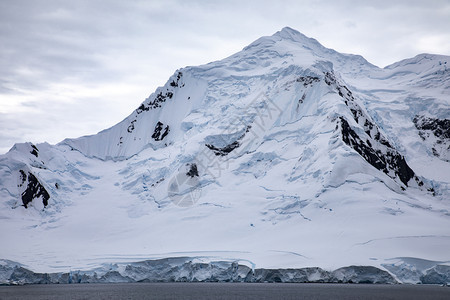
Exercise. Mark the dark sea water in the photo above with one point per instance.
(223, 291)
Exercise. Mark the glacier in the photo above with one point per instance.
(284, 156)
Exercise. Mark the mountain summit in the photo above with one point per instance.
(285, 154)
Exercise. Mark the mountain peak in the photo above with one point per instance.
(287, 34)
(292, 34)
(306, 51)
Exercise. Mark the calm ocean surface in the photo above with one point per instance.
(223, 291)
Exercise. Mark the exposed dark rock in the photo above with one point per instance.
(157, 181)
(165, 133)
(23, 177)
(34, 151)
(156, 102)
(193, 171)
(329, 78)
(308, 80)
(224, 150)
(387, 161)
(375, 149)
(158, 133)
(161, 97)
(176, 83)
(34, 189)
(302, 99)
(439, 127)
(358, 115)
(131, 127)
(438, 132)
(142, 108)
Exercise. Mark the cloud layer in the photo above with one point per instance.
(70, 68)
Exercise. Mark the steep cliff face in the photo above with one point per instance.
(33, 189)
(272, 156)
(436, 135)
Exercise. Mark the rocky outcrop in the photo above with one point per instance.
(389, 161)
(370, 144)
(436, 134)
(34, 189)
(224, 150)
(159, 133)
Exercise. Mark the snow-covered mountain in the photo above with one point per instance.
(286, 154)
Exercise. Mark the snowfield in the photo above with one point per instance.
(284, 155)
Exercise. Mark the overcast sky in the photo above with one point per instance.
(72, 68)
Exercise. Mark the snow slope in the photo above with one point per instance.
(286, 154)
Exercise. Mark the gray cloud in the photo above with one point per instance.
(88, 63)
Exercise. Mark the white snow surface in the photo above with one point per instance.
(292, 195)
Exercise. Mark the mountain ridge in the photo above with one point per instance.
(281, 154)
